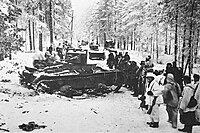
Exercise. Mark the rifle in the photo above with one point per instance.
(151, 107)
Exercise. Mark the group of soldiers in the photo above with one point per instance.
(133, 75)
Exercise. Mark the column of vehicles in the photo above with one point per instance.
(78, 73)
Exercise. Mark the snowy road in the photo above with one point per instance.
(115, 113)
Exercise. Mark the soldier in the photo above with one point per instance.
(124, 66)
(197, 97)
(153, 99)
(187, 114)
(59, 52)
(141, 73)
(171, 94)
(110, 60)
(132, 78)
(169, 68)
(118, 59)
(126, 57)
(39, 60)
(49, 58)
(50, 49)
(149, 64)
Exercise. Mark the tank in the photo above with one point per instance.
(74, 74)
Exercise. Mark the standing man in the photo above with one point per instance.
(50, 49)
(197, 97)
(171, 94)
(153, 99)
(141, 73)
(169, 68)
(132, 78)
(118, 59)
(110, 60)
(127, 57)
(178, 74)
(187, 114)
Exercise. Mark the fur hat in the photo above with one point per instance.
(151, 75)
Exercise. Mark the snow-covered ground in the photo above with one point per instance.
(114, 113)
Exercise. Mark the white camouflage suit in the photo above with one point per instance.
(157, 91)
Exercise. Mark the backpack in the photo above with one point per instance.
(169, 93)
(172, 97)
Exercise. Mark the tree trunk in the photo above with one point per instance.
(170, 40)
(72, 23)
(192, 50)
(157, 41)
(118, 43)
(176, 37)
(151, 43)
(10, 51)
(124, 42)
(50, 22)
(104, 38)
(33, 26)
(30, 37)
(190, 41)
(196, 47)
(132, 40)
(153, 46)
(127, 42)
(186, 66)
(33, 23)
(97, 40)
(183, 48)
(166, 43)
(139, 43)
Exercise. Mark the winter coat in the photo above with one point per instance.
(187, 93)
(171, 91)
(197, 94)
(157, 91)
(111, 59)
(126, 57)
(197, 97)
(160, 79)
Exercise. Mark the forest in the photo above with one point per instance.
(33, 17)
(154, 26)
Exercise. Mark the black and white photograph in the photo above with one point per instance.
(100, 66)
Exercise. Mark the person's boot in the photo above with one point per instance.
(154, 125)
(189, 129)
(169, 121)
(134, 95)
(185, 129)
(149, 123)
(174, 124)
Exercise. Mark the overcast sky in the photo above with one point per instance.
(80, 8)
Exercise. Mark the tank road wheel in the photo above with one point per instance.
(66, 90)
(118, 88)
(41, 87)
